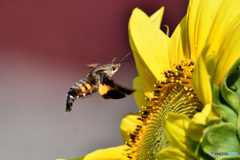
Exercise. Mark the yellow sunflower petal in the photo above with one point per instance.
(197, 123)
(114, 153)
(200, 80)
(201, 117)
(175, 126)
(149, 46)
(227, 13)
(178, 43)
(200, 17)
(147, 80)
(138, 94)
(211, 62)
(128, 125)
(174, 153)
(229, 52)
(157, 17)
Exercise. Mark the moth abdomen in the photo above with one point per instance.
(81, 89)
(70, 99)
(84, 87)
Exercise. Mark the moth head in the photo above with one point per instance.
(112, 69)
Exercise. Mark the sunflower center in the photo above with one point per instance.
(173, 94)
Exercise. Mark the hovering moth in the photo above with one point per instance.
(98, 79)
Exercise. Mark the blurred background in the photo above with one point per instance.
(45, 46)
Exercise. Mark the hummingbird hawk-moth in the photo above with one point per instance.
(98, 79)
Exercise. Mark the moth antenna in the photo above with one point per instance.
(113, 59)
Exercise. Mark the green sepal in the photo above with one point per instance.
(238, 129)
(214, 121)
(220, 138)
(231, 158)
(221, 111)
(196, 148)
(226, 98)
(230, 87)
(221, 107)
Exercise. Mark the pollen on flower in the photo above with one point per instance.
(174, 93)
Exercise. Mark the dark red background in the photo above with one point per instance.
(45, 46)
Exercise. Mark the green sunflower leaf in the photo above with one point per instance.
(220, 138)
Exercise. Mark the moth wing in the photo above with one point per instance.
(124, 90)
(110, 90)
(93, 65)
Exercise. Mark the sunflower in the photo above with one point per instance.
(188, 86)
